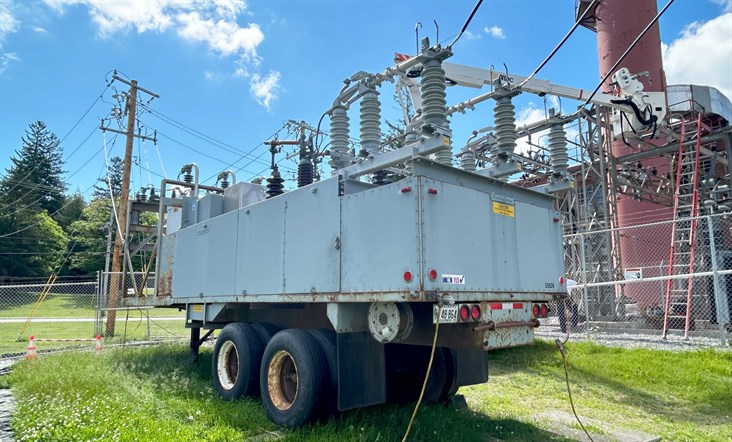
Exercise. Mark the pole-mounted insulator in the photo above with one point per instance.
(275, 184)
(467, 160)
(434, 105)
(339, 131)
(504, 120)
(304, 173)
(558, 150)
(370, 123)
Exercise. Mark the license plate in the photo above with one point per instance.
(448, 315)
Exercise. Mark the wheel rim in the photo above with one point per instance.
(227, 366)
(282, 380)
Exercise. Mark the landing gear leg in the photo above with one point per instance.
(195, 343)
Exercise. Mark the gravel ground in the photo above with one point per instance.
(624, 338)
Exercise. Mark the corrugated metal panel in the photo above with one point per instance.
(708, 99)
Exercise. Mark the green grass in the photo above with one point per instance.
(64, 305)
(56, 305)
(679, 396)
(136, 330)
(153, 394)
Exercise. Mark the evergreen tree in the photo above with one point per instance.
(101, 190)
(33, 182)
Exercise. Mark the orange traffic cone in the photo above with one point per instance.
(31, 348)
(98, 345)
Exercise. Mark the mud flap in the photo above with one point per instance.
(361, 371)
(472, 366)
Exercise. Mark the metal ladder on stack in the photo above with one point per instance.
(677, 311)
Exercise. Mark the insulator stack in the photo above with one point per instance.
(188, 177)
(275, 184)
(370, 123)
(558, 150)
(467, 160)
(432, 89)
(339, 138)
(304, 173)
(504, 119)
(434, 105)
(224, 183)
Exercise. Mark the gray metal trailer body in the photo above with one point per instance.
(342, 255)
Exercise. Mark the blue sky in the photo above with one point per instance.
(235, 71)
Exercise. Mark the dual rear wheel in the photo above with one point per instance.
(292, 369)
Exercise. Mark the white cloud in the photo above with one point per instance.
(265, 89)
(471, 35)
(6, 58)
(725, 4)
(40, 30)
(208, 74)
(495, 31)
(702, 55)
(8, 23)
(224, 37)
(213, 23)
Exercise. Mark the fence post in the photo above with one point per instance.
(97, 328)
(715, 269)
(584, 282)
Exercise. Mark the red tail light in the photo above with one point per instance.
(407, 276)
(475, 312)
(433, 274)
(464, 312)
(544, 310)
(537, 311)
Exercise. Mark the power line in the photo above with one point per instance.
(561, 43)
(68, 133)
(36, 186)
(627, 51)
(220, 144)
(274, 135)
(50, 214)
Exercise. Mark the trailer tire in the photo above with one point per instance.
(236, 362)
(327, 340)
(451, 383)
(405, 370)
(265, 331)
(291, 378)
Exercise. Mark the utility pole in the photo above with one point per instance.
(119, 241)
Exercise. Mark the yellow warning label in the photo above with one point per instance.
(503, 209)
(198, 308)
(446, 141)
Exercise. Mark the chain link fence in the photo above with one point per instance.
(62, 311)
(72, 314)
(630, 279)
(136, 322)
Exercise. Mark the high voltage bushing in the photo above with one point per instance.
(558, 150)
(339, 138)
(370, 123)
(467, 160)
(434, 105)
(275, 184)
(304, 173)
(504, 120)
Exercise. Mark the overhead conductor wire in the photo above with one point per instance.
(627, 51)
(561, 43)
